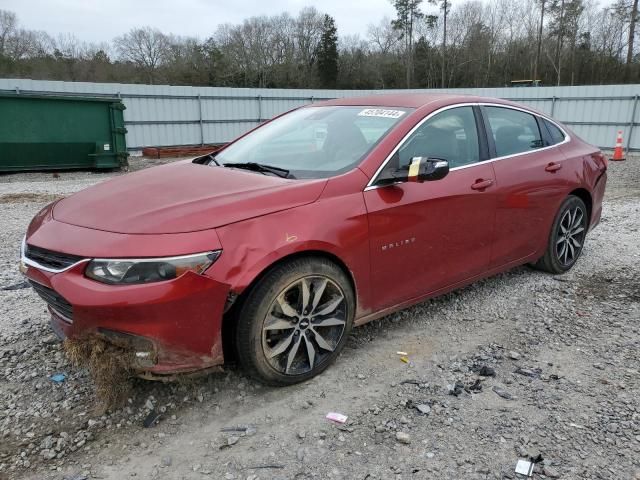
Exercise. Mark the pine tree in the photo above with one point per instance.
(408, 13)
(328, 53)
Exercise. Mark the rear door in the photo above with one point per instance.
(531, 182)
(426, 236)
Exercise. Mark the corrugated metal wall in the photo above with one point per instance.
(160, 115)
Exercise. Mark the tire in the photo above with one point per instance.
(566, 238)
(272, 321)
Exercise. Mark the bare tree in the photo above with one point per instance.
(385, 53)
(25, 44)
(382, 37)
(8, 25)
(146, 47)
(308, 35)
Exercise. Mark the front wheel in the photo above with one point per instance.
(295, 321)
(566, 238)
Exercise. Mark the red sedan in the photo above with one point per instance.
(322, 219)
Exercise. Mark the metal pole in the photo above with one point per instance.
(632, 122)
(200, 120)
(553, 104)
(259, 98)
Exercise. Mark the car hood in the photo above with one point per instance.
(182, 197)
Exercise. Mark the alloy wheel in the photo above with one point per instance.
(570, 235)
(304, 325)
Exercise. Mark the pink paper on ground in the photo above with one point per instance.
(337, 417)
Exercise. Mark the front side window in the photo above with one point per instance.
(513, 131)
(315, 142)
(451, 135)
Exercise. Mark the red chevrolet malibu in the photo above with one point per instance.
(322, 219)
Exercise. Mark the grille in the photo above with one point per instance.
(49, 259)
(54, 300)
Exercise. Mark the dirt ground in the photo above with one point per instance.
(565, 351)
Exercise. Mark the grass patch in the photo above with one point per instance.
(29, 197)
(110, 367)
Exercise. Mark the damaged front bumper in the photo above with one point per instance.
(172, 326)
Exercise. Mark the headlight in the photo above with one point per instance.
(147, 270)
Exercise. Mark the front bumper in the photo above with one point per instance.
(177, 322)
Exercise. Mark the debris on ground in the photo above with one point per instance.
(76, 476)
(151, 419)
(456, 389)
(475, 387)
(524, 467)
(411, 381)
(15, 286)
(267, 466)
(58, 377)
(247, 430)
(529, 372)
(501, 392)
(336, 417)
(486, 371)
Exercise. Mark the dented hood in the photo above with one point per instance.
(182, 197)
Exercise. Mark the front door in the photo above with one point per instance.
(427, 236)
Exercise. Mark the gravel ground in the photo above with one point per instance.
(520, 365)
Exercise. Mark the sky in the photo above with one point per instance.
(102, 20)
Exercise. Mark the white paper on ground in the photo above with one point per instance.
(524, 467)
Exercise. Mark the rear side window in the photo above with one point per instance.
(513, 131)
(556, 134)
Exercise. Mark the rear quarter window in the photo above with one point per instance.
(556, 134)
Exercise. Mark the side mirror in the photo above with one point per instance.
(425, 169)
(421, 169)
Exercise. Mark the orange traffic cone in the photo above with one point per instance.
(618, 152)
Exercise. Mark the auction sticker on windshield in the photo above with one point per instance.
(380, 112)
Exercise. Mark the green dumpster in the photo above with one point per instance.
(43, 132)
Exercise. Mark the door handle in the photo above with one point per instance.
(482, 184)
(553, 167)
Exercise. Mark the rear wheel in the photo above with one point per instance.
(566, 238)
(295, 321)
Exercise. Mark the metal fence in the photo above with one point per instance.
(159, 115)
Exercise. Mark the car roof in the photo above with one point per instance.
(410, 100)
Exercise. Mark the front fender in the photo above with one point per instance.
(337, 226)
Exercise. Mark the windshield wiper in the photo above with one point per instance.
(262, 168)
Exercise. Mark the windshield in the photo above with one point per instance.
(314, 142)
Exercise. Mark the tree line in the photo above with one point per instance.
(429, 44)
